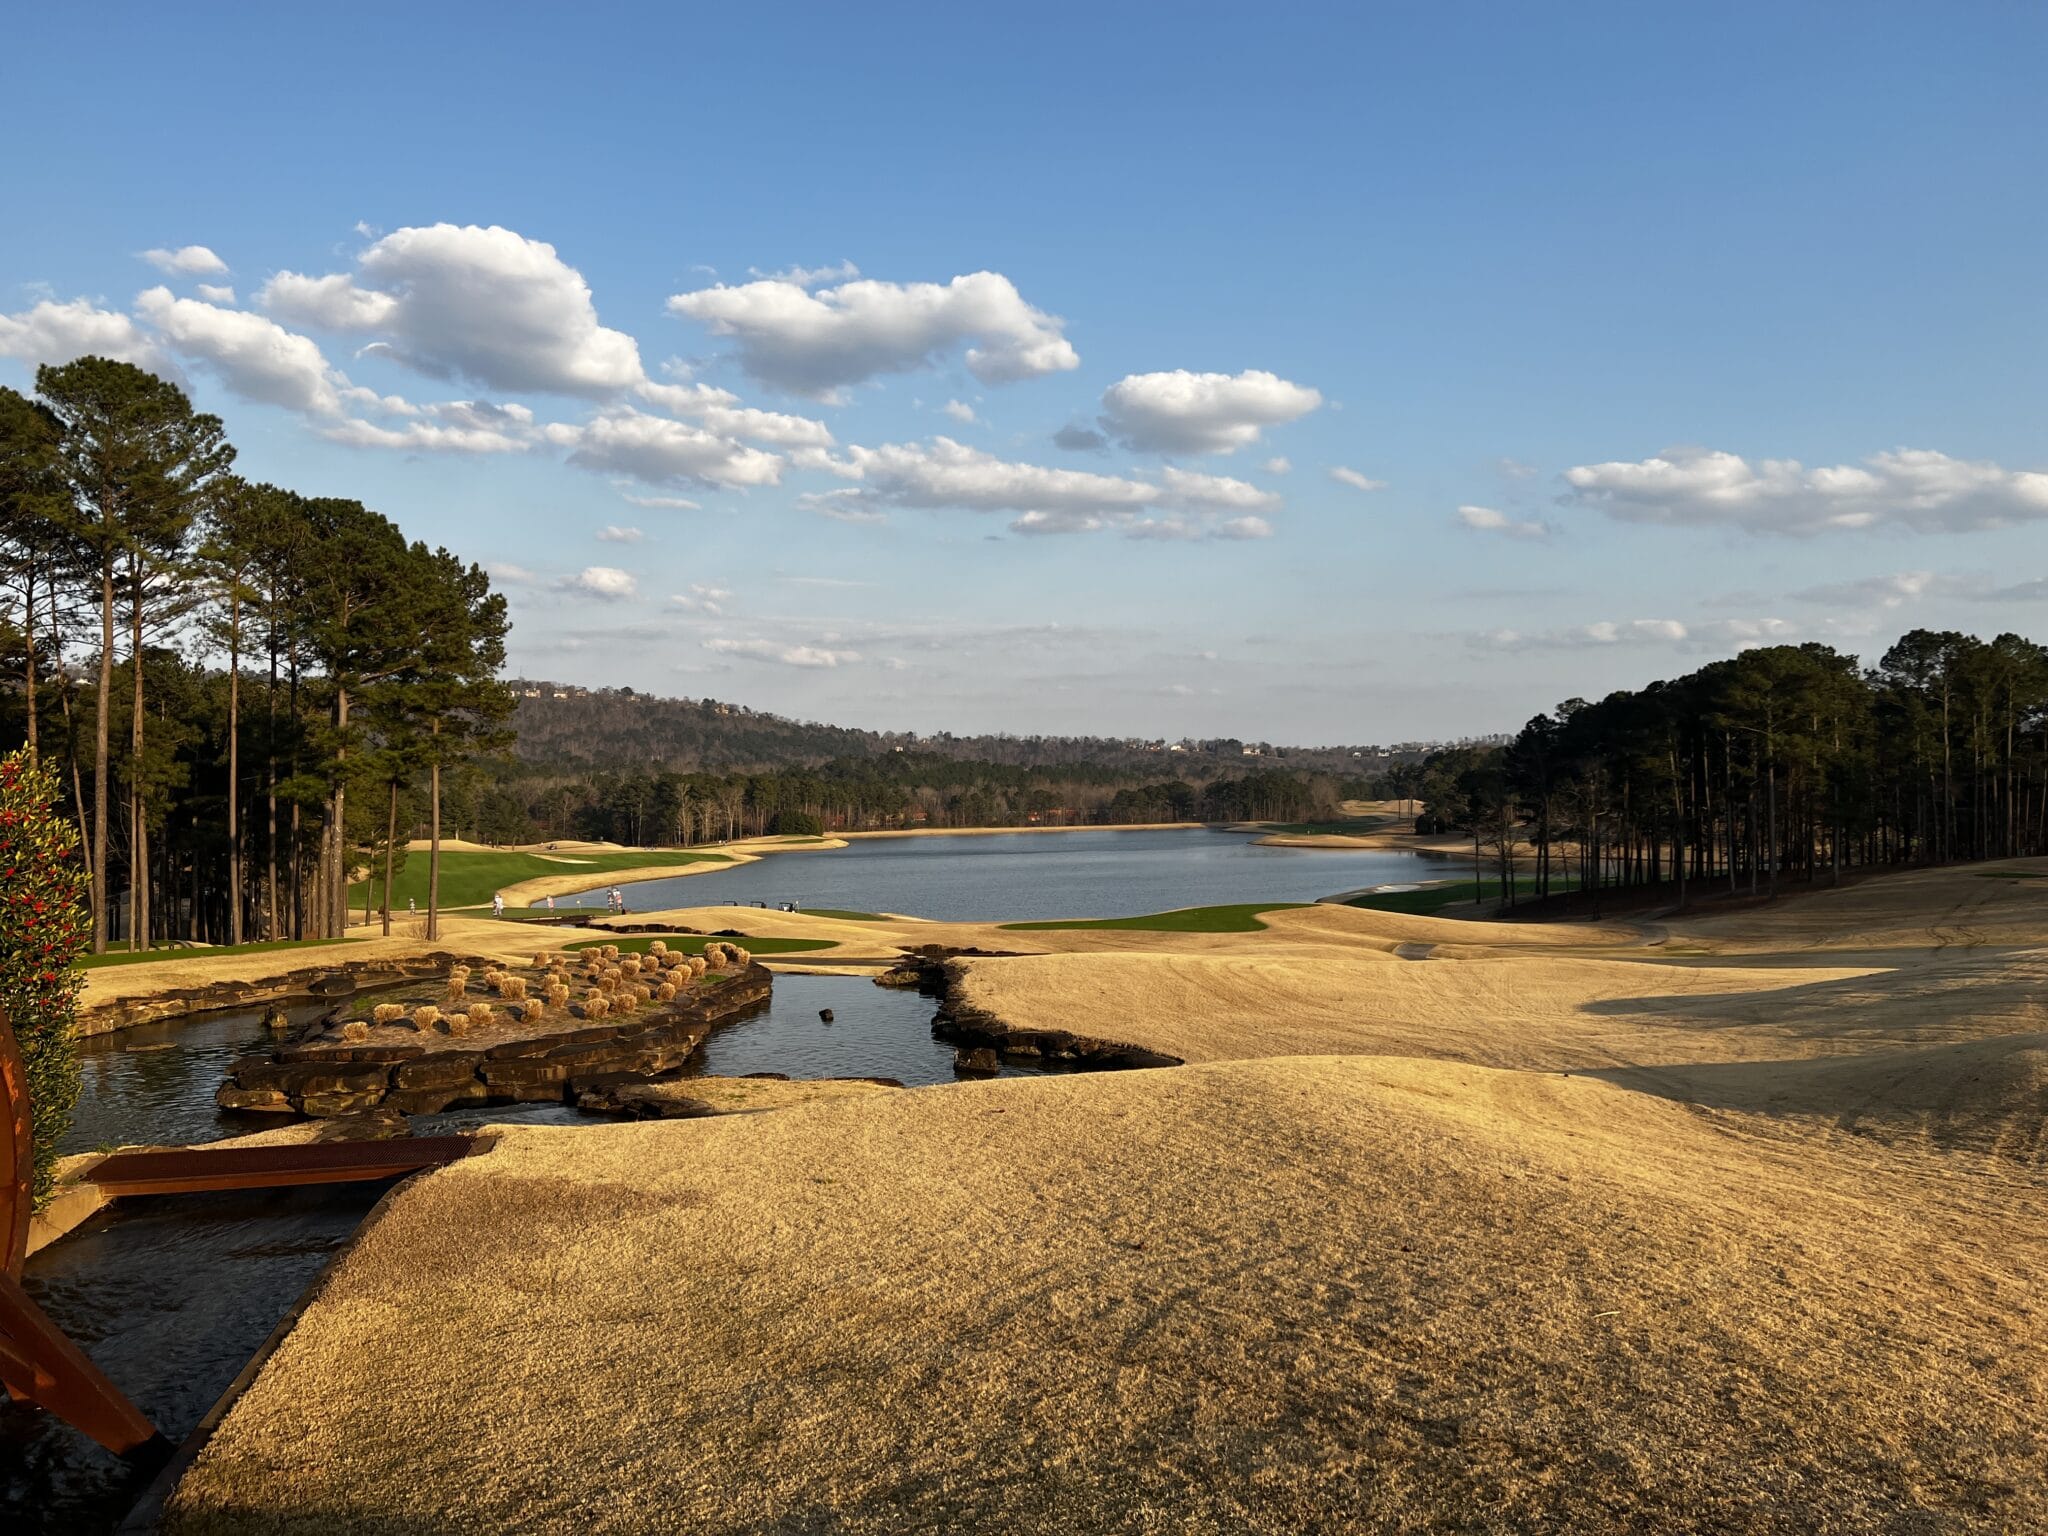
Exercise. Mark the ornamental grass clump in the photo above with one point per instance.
(657, 946)
(596, 1005)
(698, 966)
(355, 1029)
(512, 988)
(424, 1018)
(387, 1013)
(558, 994)
(481, 1013)
(532, 1011)
(666, 991)
(629, 965)
(457, 1023)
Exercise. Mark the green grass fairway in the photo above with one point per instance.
(1357, 826)
(471, 879)
(843, 915)
(1242, 918)
(693, 943)
(198, 952)
(1434, 898)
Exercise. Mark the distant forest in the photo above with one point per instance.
(628, 767)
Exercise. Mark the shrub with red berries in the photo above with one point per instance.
(45, 925)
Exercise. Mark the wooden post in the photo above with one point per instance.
(38, 1364)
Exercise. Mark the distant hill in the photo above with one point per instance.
(564, 727)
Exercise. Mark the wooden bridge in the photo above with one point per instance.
(38, 1363)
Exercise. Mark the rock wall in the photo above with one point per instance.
(324, 1079)
(126, 1012)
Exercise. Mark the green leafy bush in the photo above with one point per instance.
(798, 824)
(45, 925)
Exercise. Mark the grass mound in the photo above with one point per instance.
(469, 879)
(693, 943)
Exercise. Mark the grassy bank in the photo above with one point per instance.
(1241, 918)
(470, 879)
(183, 952)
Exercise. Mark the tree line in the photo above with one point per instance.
(519, 803)
(244, 690)
(1784, 763)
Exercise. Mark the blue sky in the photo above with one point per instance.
(1642, 335)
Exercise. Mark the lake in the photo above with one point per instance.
(1035, 876)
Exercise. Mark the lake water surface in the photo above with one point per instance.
(1035, 876)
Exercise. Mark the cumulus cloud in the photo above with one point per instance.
(948, 474)
(1279, 466)
(506, 574)
(1915, 488)
(56, 333)
(783, 655)
(486, 304)
(657, 451)
(256, 358)
(959, 410)
(612, 533)
(1183, 412)
(1488, 520)
(215, 293)
(817, 343)
(1343, 474)
(720, 411)
(602, 581)
(1078, 439)
(186, 261)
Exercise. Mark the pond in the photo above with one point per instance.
(1036, 876)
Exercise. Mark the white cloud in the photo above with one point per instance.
(1182, 412)
(656, 450)
(804, 277)
(506, 574)
(1737, 634)
(463, 301)
(949, 474)
(720, 411)
(816, 343)
(612, 533)
(1914, 488)
(423, 437)
(1891, 591)
(56, 333)
(959, 410)
(1343, 474)
(331, 303)
(602, 581)
(1279, 466)
(784, 655)
(670, 503)
(256, 358)
(703, 599)
(186, 261)
(215, 293)
(1488, 520)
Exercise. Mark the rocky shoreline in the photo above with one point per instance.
(983, 1041)
(323, 1079)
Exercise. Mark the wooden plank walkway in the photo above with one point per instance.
(183, 1170)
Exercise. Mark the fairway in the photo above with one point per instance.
(1243, 917)
(470, 879)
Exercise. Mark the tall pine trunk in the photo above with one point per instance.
(234, 770)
